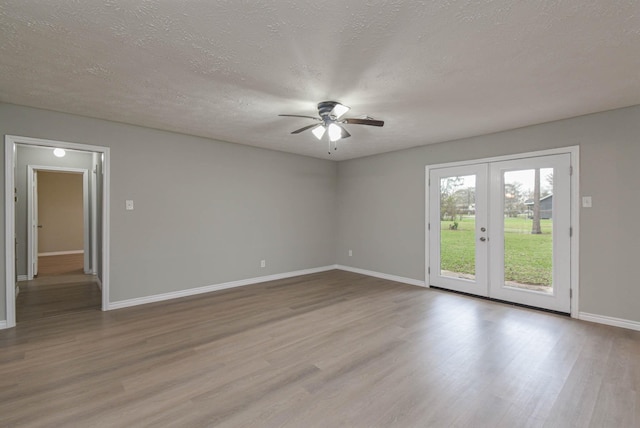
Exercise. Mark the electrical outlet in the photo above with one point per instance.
(350, 253)
(263, 263)
(128, 204)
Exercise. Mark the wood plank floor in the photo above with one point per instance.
(49, 296)
(331, 349)
(62, 264)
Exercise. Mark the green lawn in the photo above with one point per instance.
(528, 258)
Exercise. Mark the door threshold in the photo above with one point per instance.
(551, 311)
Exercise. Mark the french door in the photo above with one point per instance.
(502, 230)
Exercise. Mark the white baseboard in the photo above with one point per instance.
(395, 278)
(3, 325)
(600, 319)
(60, 253)
(23, 278)
(209, 288)
(616, 322)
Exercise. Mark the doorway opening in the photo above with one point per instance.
(57, 227)
(502, 228)
(59, 224)
(60, 275)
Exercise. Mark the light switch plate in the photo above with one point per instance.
(586, 202)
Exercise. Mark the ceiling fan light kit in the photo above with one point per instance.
(335, 132)
(318, 131)
(330, 122)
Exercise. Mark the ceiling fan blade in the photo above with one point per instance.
(304, 128)
(299, 115)
(355, 121)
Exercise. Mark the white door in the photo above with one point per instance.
(458, 228)
(494, 232)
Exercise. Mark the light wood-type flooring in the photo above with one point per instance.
(61, 264)
(61, 287)
(333, 349)
(48, 296)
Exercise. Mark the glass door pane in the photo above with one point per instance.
(458, 226)
(528, 229)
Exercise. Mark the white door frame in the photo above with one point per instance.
(574, 152)
(32, 247)
(94, 214)
(10, 162)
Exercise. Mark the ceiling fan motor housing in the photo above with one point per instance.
(326, 107)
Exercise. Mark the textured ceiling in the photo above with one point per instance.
(433, 70)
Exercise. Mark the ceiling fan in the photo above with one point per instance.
(330, 122)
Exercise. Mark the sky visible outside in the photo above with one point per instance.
(524, 177)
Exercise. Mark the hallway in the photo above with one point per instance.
(63, 290)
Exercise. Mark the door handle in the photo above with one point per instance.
(483, 239)
(483, 229)
(39, 226)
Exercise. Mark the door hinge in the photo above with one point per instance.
(429, 270)
(571, 293)
(570, 232)
(428, 226)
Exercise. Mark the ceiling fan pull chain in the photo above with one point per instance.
(329, 146)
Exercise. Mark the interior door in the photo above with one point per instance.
(458, 228)
(502, 230)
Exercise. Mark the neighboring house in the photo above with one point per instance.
(546, 207)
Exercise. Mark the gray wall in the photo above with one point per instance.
(30, 155)
(381, 203)
(206, 212)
